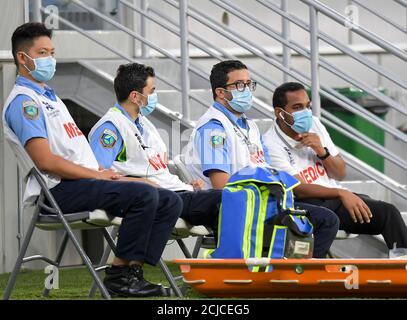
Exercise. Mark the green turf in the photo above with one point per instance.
(74, 283)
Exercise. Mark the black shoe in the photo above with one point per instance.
(138, 274)
(123, 281)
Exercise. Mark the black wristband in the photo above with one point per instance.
(326, 155)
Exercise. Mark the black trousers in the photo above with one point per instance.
(386, 220)
(149, 214)
(201, 207)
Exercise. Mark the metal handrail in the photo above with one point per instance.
(308, 54)
(352, 133)
(258, 105)
(379, 41)
(185, 64)
(401, 2)
(118, 53)
(336, 44)
(176, 116)
(380, 16)
(192, 67)
(274, 61)
(374, 174)
(127, 30)
(207, 47)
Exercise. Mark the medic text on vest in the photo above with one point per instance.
(312, 173)
(157, 162)
(72, 130)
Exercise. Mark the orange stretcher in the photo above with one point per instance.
(296, 277)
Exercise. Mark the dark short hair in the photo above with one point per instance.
(280, 97)
(219, 74)
(23, 37)
(131, 77)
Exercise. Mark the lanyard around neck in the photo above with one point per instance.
(253, 148)
(235, 125)
(281, 137)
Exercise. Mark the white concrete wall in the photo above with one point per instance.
(10, 17)
(8, 185)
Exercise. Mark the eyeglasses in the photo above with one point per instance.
(240, 85)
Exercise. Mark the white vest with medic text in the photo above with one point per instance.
(64, 137)
(239, 152)
(146, 154)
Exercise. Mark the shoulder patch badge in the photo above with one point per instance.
(108, 138)
(218, 139)
(30, 110)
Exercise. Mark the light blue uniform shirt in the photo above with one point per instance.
(107, 151)
(24, 116)
(219, 155)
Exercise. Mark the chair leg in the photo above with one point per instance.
(58, 259)
(197, 247)
(83, 255)
(195, 252)
(110, 238)
(184, 249)
(21, 254)
(170, 278)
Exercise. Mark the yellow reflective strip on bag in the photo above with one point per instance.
(272, 242)
(264, 194)
(219, 224)
(207, 253)
(248, 223)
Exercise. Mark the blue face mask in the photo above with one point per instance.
(151, 104)
(302, 121)
(242, 100)
(44, 68)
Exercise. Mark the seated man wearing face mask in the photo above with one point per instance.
(300, 145)
(126, 141)
(225, 140)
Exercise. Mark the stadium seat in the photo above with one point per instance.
(341, 235)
